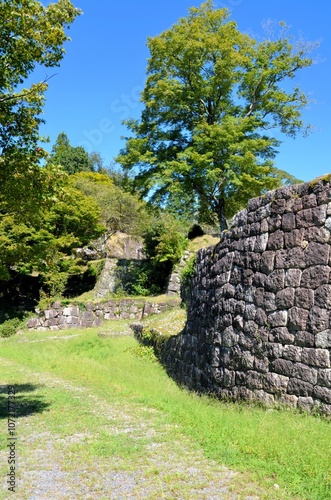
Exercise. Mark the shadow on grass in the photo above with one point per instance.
(13, 402)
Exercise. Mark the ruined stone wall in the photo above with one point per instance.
(259, 315)
(58, 317)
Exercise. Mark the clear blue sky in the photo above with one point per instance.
(104, 69)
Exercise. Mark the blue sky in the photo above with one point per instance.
(104, 70)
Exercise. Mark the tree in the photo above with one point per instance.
(120, 211)
(212, 98)
(31, 35)
(72, 159)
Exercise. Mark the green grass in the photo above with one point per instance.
(270, 446)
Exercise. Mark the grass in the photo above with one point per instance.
(104, 381)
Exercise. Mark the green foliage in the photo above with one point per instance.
(71, 159)
(211, 94)
(120, 211)
(165, 239)
(155, 339)
(31, 35)
(9, 327)
(186, 277)
(139, 278)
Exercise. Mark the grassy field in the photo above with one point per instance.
(85, 400)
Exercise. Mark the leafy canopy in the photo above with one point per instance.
(212, 98)
(31, 35)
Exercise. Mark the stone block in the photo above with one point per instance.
(316, 254)
(322, 393)
(282, 366)
(316, 357)
(275, 383)
(309, 201)
(51, 313)
(274, 350)
(275, 281)
(288, 222)
(276, 240)
(305, 373)
(292, 258)
(304, 339)
(277, 318)
(281, 335)
(297, 318)
(304, 297)
(285, 298)
(292, 352)
(323, 339)
(319, 319)
(299, 387)
(318, 234)
(306, 404)
(294, 238)
(274, 223)
(33, 323)
(254, 380)
(293, 277)
(323, 296)
(324, 377)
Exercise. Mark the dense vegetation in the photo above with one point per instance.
(197, 154)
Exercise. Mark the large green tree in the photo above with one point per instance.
(212, 100)
(31, 35)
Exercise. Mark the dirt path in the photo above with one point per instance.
(130, 459)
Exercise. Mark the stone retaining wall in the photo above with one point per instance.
(259, 315)
(59, 317)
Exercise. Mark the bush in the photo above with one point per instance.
(9, 327)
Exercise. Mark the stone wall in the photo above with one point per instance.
(59, 317)
(259, 315)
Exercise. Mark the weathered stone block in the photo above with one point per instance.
(267, 262)
(322, 393)
(294, 238)
(281, 335)
(297, 318)
(299, 387)
(288, 222)
(275, 383)
(254, 380)
(324, 377)
(309, 201)
(276, 240)
(282, 366)
(293, 277)
(316, 357)
(269, 302)
(317, 254)
(305, 373)
(277, 318)
(292, 352)
(319, 319)
(304, 297)
(304, 339)
(277, 206)
(261, 242)
(323, 296)
(318, 234)
(290, 258)
(274, 222)
(285, 298)
(275, 281)
(323, 339)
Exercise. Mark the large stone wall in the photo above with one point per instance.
(59, 317)
(259, 315)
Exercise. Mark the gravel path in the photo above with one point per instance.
(165, 468)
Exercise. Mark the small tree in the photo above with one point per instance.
(212, 97)
(72, 159)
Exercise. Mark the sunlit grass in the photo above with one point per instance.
(279, 447)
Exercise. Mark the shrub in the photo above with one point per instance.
(9, 327)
